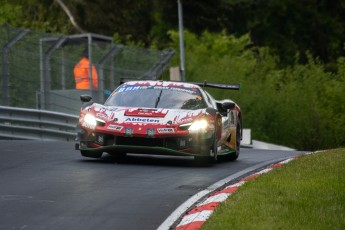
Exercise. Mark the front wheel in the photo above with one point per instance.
(211, 153)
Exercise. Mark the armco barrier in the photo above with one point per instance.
(32, 124)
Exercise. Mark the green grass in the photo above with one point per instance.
(307, 193)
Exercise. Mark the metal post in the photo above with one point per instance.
(112, 72)
(108, 56)
(46, 71)
(63, 70)
(160, 65)
(42, 99)
(5, 68)
(182, 56)
(89, 49)
(89, 54)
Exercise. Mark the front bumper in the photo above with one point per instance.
(188, 145)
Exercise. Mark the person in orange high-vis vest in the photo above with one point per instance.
(81, 75)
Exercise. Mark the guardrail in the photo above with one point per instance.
(33, 124)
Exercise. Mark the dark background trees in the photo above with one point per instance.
(288, 27)
(291, 27)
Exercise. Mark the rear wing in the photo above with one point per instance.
(218, 85)
(203, 84)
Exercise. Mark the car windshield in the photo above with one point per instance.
(157, 97)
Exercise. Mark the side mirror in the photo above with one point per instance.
(85, 98)
(228, 105)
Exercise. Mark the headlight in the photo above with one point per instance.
(198, 126)
(90, 119)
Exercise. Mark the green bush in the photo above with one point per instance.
(301, 106)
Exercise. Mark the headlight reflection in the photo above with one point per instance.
(90, 119)
(198, 126)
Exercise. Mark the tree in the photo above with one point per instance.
(70, 15)
(290, 27)
(45, 16)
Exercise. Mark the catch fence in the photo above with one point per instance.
(37, 68)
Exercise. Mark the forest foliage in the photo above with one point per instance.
(301, 106)
(288, 55)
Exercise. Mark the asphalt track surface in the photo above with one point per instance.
(48, 185)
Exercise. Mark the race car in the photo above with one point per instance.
(161, 117)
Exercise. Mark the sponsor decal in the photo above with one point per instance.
(115, 127)
(165, 130)
(142, 120)
(102, 116)
(150, 132)
(158, 87)
(153, 113)
(130, 88)
(128, 132)
(186, 120)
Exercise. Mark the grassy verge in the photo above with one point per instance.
(307, 193)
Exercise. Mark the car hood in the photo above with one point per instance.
(145, 115)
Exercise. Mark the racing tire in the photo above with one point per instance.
(213, 150)
(92, 154)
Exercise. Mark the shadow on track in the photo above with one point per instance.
(152, 160)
